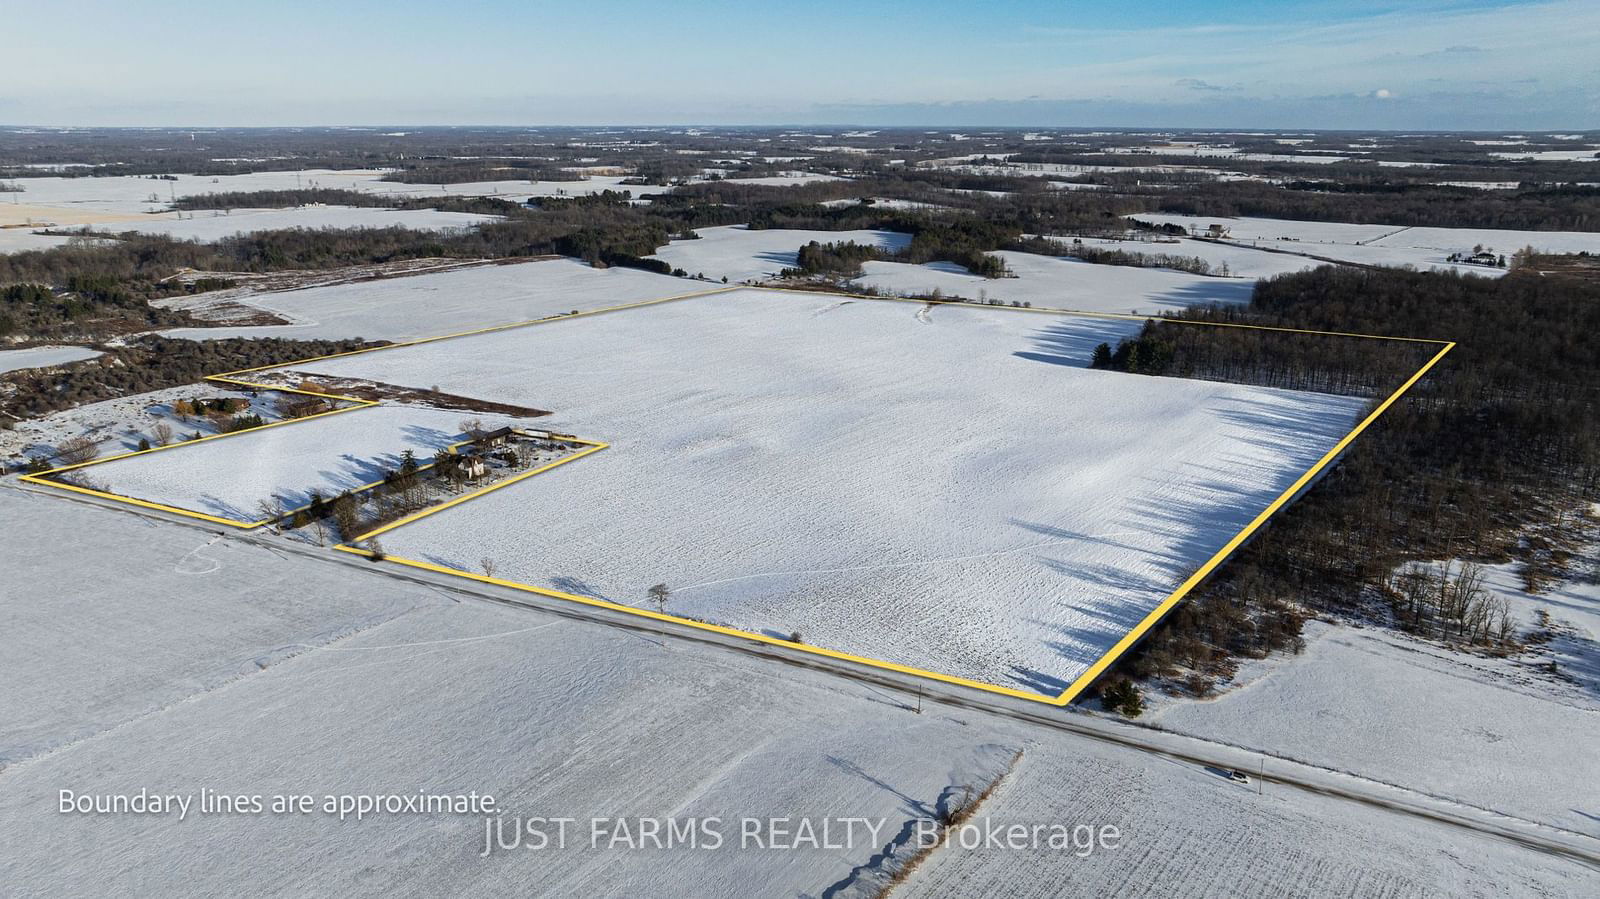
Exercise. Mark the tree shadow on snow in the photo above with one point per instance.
(1071, 342)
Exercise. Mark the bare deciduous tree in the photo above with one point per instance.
(77, 450)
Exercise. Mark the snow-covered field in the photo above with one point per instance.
(159, 658)
(1315, 237)
(131, 203)
(133, 195)
(444, 302)
(18, 240)
(229, 477)
(43, 357)
(129, 195)
(740, 254)
(1390, 245)
(949, 488)
(1190, 832)
(787, 179)
(209, 225)
(1060, 283)
(1240, 262)
(111, 619)
(1488, 732)
(1591, 154)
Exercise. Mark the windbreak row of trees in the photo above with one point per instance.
(154, 363)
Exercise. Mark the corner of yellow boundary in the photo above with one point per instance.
(1227, 550)
(1065, 697)
(228, 377)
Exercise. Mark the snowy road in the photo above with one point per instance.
(1273, 771)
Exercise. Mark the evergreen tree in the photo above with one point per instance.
(1102, 356)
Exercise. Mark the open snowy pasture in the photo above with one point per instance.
(112, 618)
(740, 254)
(1495, 733)
(1239, 262)
(209, 225)
(128, 198)
(426, 305)
(1060, 283)
(82, 200)
(946, 487)
(229, 477)
(1191, 832)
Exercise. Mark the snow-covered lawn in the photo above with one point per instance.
(43, 357)
(230, 476)
(209, 225)
(427, 305)
(1061, 283)
(740, 254)
(949, 488)
(117, 425)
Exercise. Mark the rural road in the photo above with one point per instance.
(1279, 772)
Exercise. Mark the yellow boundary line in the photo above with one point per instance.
(1072, 691)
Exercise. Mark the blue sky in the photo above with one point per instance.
(1225, 63)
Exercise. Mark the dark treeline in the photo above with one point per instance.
(1047, 246)
(289, 199)
(1501, 435)
(1348, 366)
(1541, 209)
(153, 363)
(283, 199)
(451, 171)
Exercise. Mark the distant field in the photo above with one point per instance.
(209, 225)
(43, 356)
(741, 254)
(948, 488)
(1386, 244)
(425, 305)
